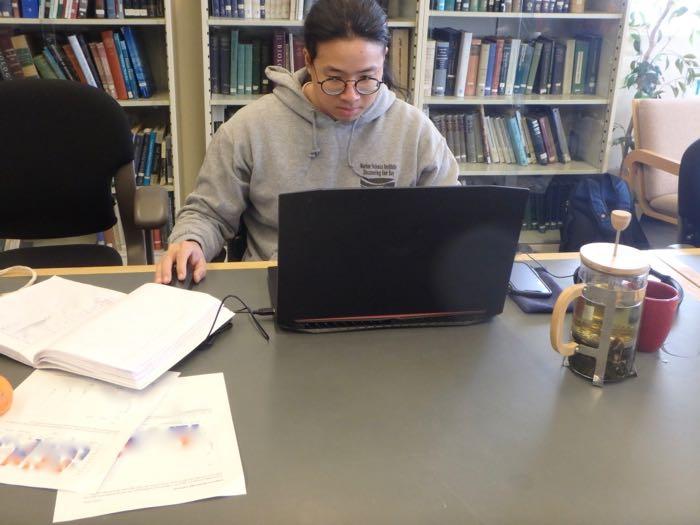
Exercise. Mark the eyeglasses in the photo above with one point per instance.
(363, 86)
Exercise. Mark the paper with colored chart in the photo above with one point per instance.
(65, 432)
(185, 451)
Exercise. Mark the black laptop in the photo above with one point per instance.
(354, 259)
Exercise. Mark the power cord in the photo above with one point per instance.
(209, 340)
(27, 269)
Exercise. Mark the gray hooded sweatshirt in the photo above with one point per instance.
(281, 143)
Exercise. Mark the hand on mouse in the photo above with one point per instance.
(181, 254)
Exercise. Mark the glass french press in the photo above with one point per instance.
(607, 311)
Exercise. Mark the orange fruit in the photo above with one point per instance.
(5, 395)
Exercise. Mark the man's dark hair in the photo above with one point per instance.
(337, 19)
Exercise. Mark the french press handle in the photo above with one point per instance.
(556, 326)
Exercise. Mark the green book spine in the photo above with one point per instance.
(248, 71)
(256, 67)
(536, 55)
(240, 66)
(233, 89)
(474, 5)
(51, 61)
(43, 67)
(578, 84)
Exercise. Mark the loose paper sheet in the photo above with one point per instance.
(65, 432)
(185, 451)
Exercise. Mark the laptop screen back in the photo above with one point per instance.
(359, 253)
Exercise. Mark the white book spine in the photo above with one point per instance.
(463, 64)
(428, 68)
(568, 66)
(512, 65)
(493, 145)
(82, 60)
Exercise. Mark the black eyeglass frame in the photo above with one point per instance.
(346, 82)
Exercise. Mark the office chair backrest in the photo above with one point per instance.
(61, 144)
(689, 195)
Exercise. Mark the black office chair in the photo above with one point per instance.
(689, 195)
(61, 145)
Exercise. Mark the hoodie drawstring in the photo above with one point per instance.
(315, 150)
(352, 132)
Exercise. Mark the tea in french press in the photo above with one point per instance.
(607, 310)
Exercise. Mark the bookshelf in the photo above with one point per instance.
(217, 106)
(588, 118)
(155, 37)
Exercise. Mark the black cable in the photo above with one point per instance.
(539, 265)
(245, 309)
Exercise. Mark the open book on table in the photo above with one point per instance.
(125, 339)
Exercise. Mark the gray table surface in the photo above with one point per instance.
(468, 425)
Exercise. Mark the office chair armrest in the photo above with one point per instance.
(150, 207)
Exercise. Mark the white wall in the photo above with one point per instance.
(679, 29)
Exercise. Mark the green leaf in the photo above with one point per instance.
(637, 45)
(675, 91)
(689, 56)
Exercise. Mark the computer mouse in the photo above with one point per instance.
(186, 283)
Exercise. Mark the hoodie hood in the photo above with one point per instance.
(288, 89)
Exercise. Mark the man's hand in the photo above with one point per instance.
(182, 254)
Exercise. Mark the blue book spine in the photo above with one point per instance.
(215, 8)
(111, 10)
(149, 158)
(138, 63)
(127, 69)
(30, 8)
(516, 140)
(440, 5)
(489, 71)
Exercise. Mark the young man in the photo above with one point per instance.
(333, 124)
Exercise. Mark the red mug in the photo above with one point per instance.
(658, 313)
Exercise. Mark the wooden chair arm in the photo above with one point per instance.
(651, 159)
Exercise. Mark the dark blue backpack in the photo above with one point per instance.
(588, 210)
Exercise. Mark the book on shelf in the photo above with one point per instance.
(152, 164)
(271, 9)
(109, 60)
(509, 6)
(81, 9)
(238, 62)
(505, 136)
(400, 51)
(104, 334)
(463, 65)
